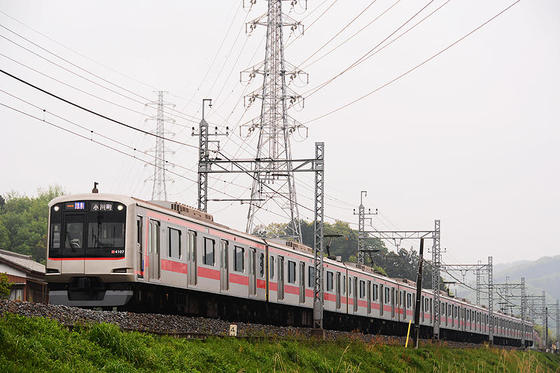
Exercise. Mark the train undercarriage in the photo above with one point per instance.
(149, 298)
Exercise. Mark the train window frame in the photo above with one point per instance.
(170, 242)
(238, 266)
(330, 281)
(209, 254)
(387, 295)
(292, 275)
(362, 292)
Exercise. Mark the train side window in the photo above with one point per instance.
(387, 295)
(271, 268)
(238, 259)
(261, 265)
(208, 257)
(408, 300)
(311, 277)
(174, 243)
(375, 292)
(139, 234)
(330, 283)
(291, 272)
(349, 285)
(343, 285)
(362, 289)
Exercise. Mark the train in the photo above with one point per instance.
(112, 251)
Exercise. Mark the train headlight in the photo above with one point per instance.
(120, 207)
(56, 208)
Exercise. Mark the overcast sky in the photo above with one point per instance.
(470, 138)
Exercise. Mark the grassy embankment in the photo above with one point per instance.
(41, 345)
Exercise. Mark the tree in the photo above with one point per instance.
(5, 285)
(23, 222)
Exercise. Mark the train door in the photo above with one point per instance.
(74, 243)
(393, 303)
(280, 277)
(192, 268)
(224, 266)
(368, 296)
(337, 288)
(381, 299)
(139, 246)
(252, 271)
(355, 293)
(154, 263)
(301, 282)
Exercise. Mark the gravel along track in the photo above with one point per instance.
(183, 326)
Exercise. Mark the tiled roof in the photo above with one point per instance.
(21, 260)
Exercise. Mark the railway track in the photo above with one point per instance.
(191, 327)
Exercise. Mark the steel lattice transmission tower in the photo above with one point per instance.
(274, 126)
(159, 178)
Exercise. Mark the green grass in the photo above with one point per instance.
(42, 345)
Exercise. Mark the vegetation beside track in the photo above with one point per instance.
(39, 344)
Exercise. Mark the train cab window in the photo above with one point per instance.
(261, 265)
(74, 236)
(330, 282)
(55, 236)
(291, 272)
(271, 268)
(362, 289)
(174, 243)
(208, 257)
(239, 259)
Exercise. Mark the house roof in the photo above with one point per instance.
(24, 262)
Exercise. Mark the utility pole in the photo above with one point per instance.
(477, 273)
(274, 126)
(490, 300)
(436, 267)
(557, 326)
(362, 235)
(418, 295)
(523, 311)
(545, 328)
(319, 166)
(159, 188)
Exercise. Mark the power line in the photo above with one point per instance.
(351, 36)
(103, 144)
(416, 66)
(365, 56)
(76, 52)
(86, 78)
(92, 111)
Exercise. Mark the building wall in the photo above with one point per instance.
(4, 268)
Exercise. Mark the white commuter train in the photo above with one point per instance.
(108, 250)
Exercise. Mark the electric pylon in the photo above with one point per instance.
(159, 178)
(274, 125)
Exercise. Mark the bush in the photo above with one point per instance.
(5, 286)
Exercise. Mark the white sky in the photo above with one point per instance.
(470, 138)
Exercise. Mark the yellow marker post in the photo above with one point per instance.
(408, 334)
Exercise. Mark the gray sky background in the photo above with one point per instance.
(470, 138)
